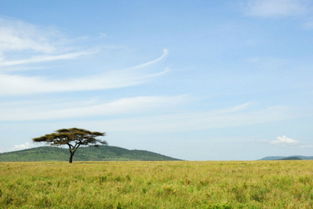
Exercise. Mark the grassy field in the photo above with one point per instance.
(168, 185)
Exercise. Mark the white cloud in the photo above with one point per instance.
(23, 43)
(146, 64)
(34, 111)
(17, 84)
(194, 121)
(276, 8)
(19, 36)
(33, 43)
(239, 107)
(45, 58)
(26, 145)
(138, 115)
(284, 140)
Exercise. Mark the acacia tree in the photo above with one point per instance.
(73, 138)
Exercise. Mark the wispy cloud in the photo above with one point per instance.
(45, 58)
(16, 35)
(276, 8)
(147, 64)
(195, 121)
(284, 140)
(26, 145)
(23, 43)
(133, 105)
(238, 107)
(17, 84)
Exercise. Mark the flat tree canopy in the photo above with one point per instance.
(73, 138)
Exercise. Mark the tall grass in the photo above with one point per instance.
(168, 185)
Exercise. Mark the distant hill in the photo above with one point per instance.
(295, 157)
(102, 153)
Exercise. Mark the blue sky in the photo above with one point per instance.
(197, 80)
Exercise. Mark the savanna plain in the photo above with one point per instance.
(168, 185)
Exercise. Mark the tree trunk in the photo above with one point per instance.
(71, 157)
(72, 149)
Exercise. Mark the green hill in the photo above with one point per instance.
(102, 153)
(292, 158)
(295, 157)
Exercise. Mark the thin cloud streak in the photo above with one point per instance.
(276, 8)
(37, 45)
(132, 105)
(45, 58)
(195, 121)
(144, 65)
(17, 84)
(33, 44)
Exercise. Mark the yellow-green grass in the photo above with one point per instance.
(168, 185)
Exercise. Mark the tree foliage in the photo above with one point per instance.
(73, 138)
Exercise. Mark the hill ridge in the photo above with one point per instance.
(101, 153)
(291, 157)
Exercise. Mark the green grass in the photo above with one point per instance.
(168, 185)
